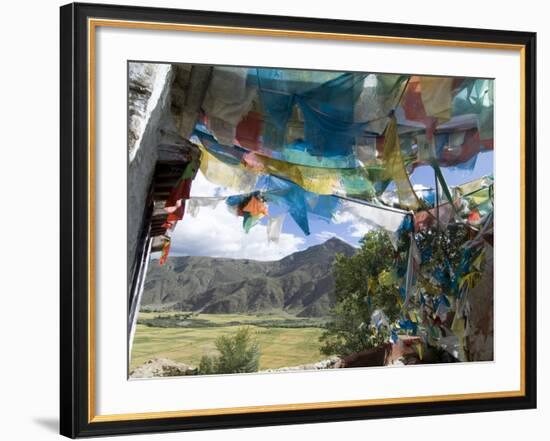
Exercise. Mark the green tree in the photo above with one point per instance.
(239, 353)
(364, 282)
(370, 280)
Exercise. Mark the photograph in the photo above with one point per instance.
(273, 219)
(287, 220)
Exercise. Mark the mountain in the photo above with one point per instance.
(301, 283)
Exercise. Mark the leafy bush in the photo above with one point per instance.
(238, 354)
(206, 365)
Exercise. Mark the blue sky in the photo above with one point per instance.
(453, 175)
(216, 232)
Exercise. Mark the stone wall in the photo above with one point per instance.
(164, 102)
(148, 106)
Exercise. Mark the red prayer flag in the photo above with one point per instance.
(249, 131)
(414, 107)
(180, 191)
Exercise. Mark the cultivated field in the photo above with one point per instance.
(284, 340)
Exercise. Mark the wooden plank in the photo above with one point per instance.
(175, 152)
(163, 187)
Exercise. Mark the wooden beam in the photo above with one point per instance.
(175, 152)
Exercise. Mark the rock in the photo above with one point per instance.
(188, 91)
(162, 98)
(323, 364)
(162, 367)
(148, 111)
(145, 84)
(370, 357)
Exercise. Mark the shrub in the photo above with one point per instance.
(206, 365)
(238, 354)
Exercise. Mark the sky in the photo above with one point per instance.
(453, 175)
(216, 232)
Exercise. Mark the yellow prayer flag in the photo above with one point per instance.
(395, 168)
(235, 177)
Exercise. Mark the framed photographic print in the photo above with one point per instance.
(274, 220)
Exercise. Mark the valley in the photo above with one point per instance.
(280, 346)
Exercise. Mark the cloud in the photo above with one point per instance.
(203, 187)
(344, 217)
(216, 232)
(323, 236)
(356, 226)
(360, 230)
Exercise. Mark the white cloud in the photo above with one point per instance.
(359, 230)
(420, 187)
(356, 226)
(216, 232)
(203, 187)
(323, 236)
(343, 217)
(363, 218)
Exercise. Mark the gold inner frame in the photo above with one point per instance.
(92, 25)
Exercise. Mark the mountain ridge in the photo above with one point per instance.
(300, 283)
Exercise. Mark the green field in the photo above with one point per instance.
(290, 345)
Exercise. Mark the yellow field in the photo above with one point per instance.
(279, 347)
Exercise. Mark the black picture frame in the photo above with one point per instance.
(76, 418)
